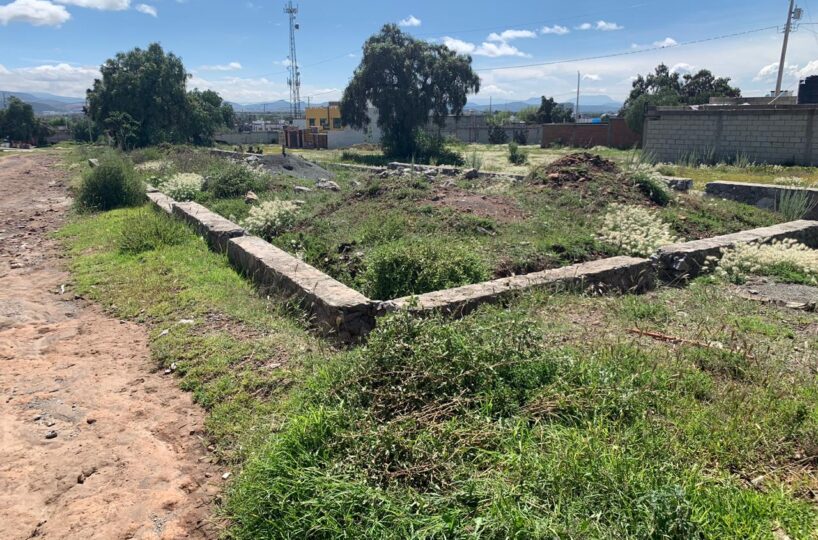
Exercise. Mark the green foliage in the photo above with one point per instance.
(551, 112)
(497, 134)
(794, 204)
(112, 184)
(665, 87)
(85, 130)
(521, 137)
(17, 122)
(474, 161)
(407, 80)
(227, 180)
(141, 100)
(653, 188)
(515, 155)
(149, 230)
(431, 148)
(372, 160)
(407, 267)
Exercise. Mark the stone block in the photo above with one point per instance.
(213, 227)
(686, 260)
(761, 195)
(335, 308)
(677, 183)
(161, 201)
(622, 274)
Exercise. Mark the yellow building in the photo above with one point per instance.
(325, 118)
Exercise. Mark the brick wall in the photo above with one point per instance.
(764, 134)
(615, 134)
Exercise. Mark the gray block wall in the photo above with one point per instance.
(782, 135)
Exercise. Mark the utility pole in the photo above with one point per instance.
(295, 76)
(576, 110)
(792, 14)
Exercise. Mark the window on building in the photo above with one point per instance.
(336, 123)
(312, 122)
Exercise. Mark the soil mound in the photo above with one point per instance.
(277, 164)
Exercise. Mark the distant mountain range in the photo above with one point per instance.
(587, 104)
(44, 104)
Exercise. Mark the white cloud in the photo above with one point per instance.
(682, 67)
(810, 69)
(410, 21)
(604, 26)
(147, 10)
(104, 5)
(61, 79)
(556, 30)
(608, 26)
(256, 90)
(231, 66)
(667, 42)
(35, 12)
(508, 35)
(488, 49)
(592, 77)
(770, 72)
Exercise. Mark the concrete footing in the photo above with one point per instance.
(764, 196)
(210, 225)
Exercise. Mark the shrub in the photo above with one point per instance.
(271, 218)
(233, 180)
(432, 148)
(652, 187)
(521, 137)
(474, 161)
(112, 184)
(515, 155)
(794, 204)
(183, 186)
(403, 268)
(149, 230)
(497, 135)
(635, 230)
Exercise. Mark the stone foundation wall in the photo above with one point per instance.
(762, 195)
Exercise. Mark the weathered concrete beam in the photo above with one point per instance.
(622, 274)
(213, 227)
(764, 196)
(335, 307)
(160, 200)
(683, 261)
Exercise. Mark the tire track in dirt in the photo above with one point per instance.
(94, 443)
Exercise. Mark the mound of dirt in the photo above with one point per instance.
(573, 168)
(496, 207)
(289, 165)
(590, 175)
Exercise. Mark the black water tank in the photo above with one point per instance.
(808, 90)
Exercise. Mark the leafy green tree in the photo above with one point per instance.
(207, 112)
(17, 122)
(666, 87)
(551, 112)
(406, 80)
(141, 100)
(84, 130)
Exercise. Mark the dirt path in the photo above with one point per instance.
(93, 442)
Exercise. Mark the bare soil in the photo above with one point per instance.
(497, 207)
(94, 443)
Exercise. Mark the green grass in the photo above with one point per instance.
(547, 417)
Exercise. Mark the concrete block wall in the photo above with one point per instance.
(783, 135)
(764, 196)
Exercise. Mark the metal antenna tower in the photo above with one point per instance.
(295, 75)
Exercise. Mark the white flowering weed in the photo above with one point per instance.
(635, 230)
(270, 218)
(153, 166)
(183, 186)
(766, 259)
(789, 181)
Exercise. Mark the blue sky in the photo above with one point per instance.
(239, 48)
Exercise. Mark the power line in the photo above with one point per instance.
(628, 53)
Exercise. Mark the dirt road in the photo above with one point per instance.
(94, 443)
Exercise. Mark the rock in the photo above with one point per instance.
(327, 184)
(51, 435)
(226, 475)
(186, 322)
(301, 189)
(250, 198)
(90, 421)
(471, 174)
(299, 202)
(355, 183)
(93, 162)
